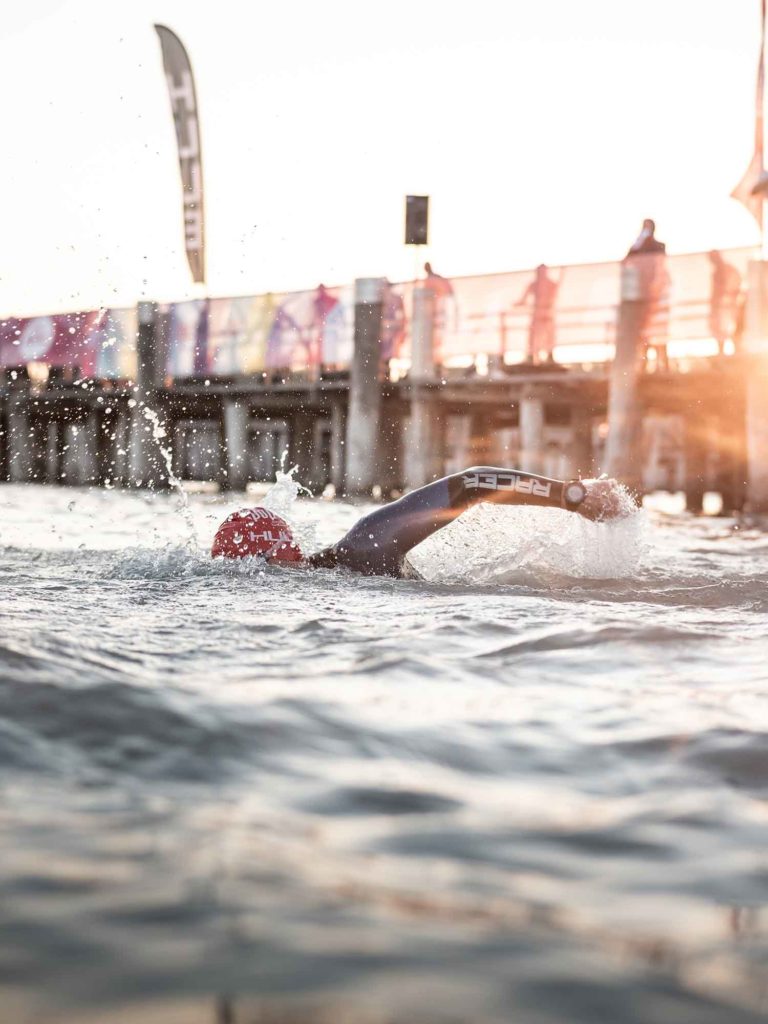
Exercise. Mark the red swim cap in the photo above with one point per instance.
(255, 531)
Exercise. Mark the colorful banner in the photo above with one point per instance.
(568, 315)
(300, 333)
(239, 329)
(694, 305)
(181, 89)
(311, 330)
(97, 344)
(114, 341)
(186, 344)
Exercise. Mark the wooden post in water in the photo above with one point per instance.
(422, 335)
(52, 453)
(236, 420)
(622, 456)
(338, 443)
(532, 419)
(423, 455)
(21, 439)
(145, 468)
(87, 448)
(581, 457)
(756, 357)
(364, 415)
(696, 449)
(122, 446)
(391, 447)
(302, 447)
(424, 436)
(732, 457)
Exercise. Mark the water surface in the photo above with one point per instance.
(532, 789)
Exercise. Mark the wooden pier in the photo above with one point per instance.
(681, 428)
(233, 431)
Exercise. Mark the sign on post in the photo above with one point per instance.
(416, 220)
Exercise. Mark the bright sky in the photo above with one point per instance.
(543, 130)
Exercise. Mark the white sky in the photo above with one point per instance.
(543, 130)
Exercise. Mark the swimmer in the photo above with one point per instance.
(377, 545)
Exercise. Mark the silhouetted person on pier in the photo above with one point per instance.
(436, 283)
(542, 294)
(645, 279)
(377, 545)
(323, 304)
(725, 300)
(646, 241)
(392, 330)
(284, 335)
(442, 293)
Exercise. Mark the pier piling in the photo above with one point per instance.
(532, 418)
(424, 438)
(423, 430)
(303, 448)
(144, 462)
(756, 339)
(236, 438)
(21, 440)
(338, 444)
(364, 416)
(580, 453)
(622, 456)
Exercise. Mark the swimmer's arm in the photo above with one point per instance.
(328, 558)
(498, 486)
(379, 541)
(592, 499)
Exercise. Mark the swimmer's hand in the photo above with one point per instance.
(606, 499)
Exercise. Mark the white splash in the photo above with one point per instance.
(493, 544)
(158, 434)
(282, 499)
(282, 495)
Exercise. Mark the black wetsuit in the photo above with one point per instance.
(378, 543)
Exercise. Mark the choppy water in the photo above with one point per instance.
(533, 791)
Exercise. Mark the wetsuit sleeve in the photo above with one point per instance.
(378, 543)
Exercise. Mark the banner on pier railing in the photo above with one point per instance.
(693, 306)
(96, 344)
(295, 333)
(568, 315)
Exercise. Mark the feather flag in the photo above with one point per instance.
(754, 175)
(181, 88)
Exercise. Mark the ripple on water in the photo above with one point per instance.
(532, 787)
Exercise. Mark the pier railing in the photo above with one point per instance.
(481, 324)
